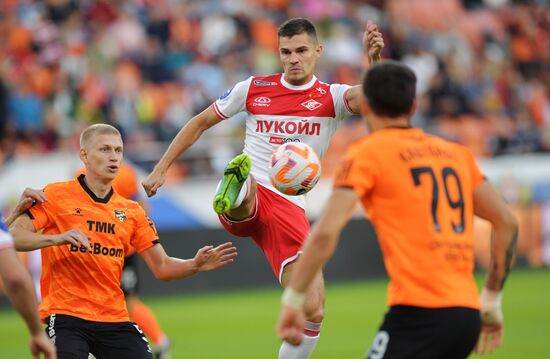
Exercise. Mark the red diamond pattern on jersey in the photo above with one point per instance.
(315, 101)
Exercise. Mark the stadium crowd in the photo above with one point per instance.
(146, 66)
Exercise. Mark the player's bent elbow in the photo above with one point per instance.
(509, 222)
(20, 245)
(169, 274)
(162, 275)
(513, 222)
(22, 241)
(24, 246)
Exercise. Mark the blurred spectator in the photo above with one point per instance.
(148, 66)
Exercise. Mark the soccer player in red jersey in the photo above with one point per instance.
(420, 193)
(293, 106)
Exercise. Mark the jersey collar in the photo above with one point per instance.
(301, 87)
(92, 194)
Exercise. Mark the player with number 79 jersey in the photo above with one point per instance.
(420, 192)
(426, 229)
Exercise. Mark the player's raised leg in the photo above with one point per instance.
(314, 307)
(236, 190)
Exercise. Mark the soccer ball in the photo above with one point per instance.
(295, 168)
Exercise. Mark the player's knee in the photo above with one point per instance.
(316, 317)
(315, 310)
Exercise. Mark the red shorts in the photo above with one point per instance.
(278, 226)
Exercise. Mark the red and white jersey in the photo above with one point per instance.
(279, 112)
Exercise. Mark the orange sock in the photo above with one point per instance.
(144, 317)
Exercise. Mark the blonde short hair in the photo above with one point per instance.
(95, 130)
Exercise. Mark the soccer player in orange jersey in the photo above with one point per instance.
(126, 184)
(421, 193)
(86, 230)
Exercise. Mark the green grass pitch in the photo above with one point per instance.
(241, 324)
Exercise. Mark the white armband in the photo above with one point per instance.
(293, 299)
(491, 306)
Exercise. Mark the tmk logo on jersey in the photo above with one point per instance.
(311, 104)
(262, 101)
(101, 227)
(120, 215)
(264, 83)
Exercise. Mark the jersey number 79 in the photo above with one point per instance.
(447, 174)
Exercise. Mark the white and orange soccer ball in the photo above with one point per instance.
(295, 168)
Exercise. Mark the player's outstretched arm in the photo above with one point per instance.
(316, 251)
(28, 197)
(373, 43)
(489, 205)
(208, 258)
(26, 239)
(20, 290)
(188, 135)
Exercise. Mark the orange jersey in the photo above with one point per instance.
(125, 184)
(417, 190)
(78, 282)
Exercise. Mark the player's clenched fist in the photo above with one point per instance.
(153, 182)
(373, 41)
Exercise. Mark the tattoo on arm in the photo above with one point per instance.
(509, 255)
(500, 267)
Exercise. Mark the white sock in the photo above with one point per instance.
(163, 342)
(242, 193)
(302, 351)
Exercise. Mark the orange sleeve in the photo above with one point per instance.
(42, 214)
(356, 172)
(145, 235)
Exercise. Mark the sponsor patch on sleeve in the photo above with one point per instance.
(226, 93)
(264, 83)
